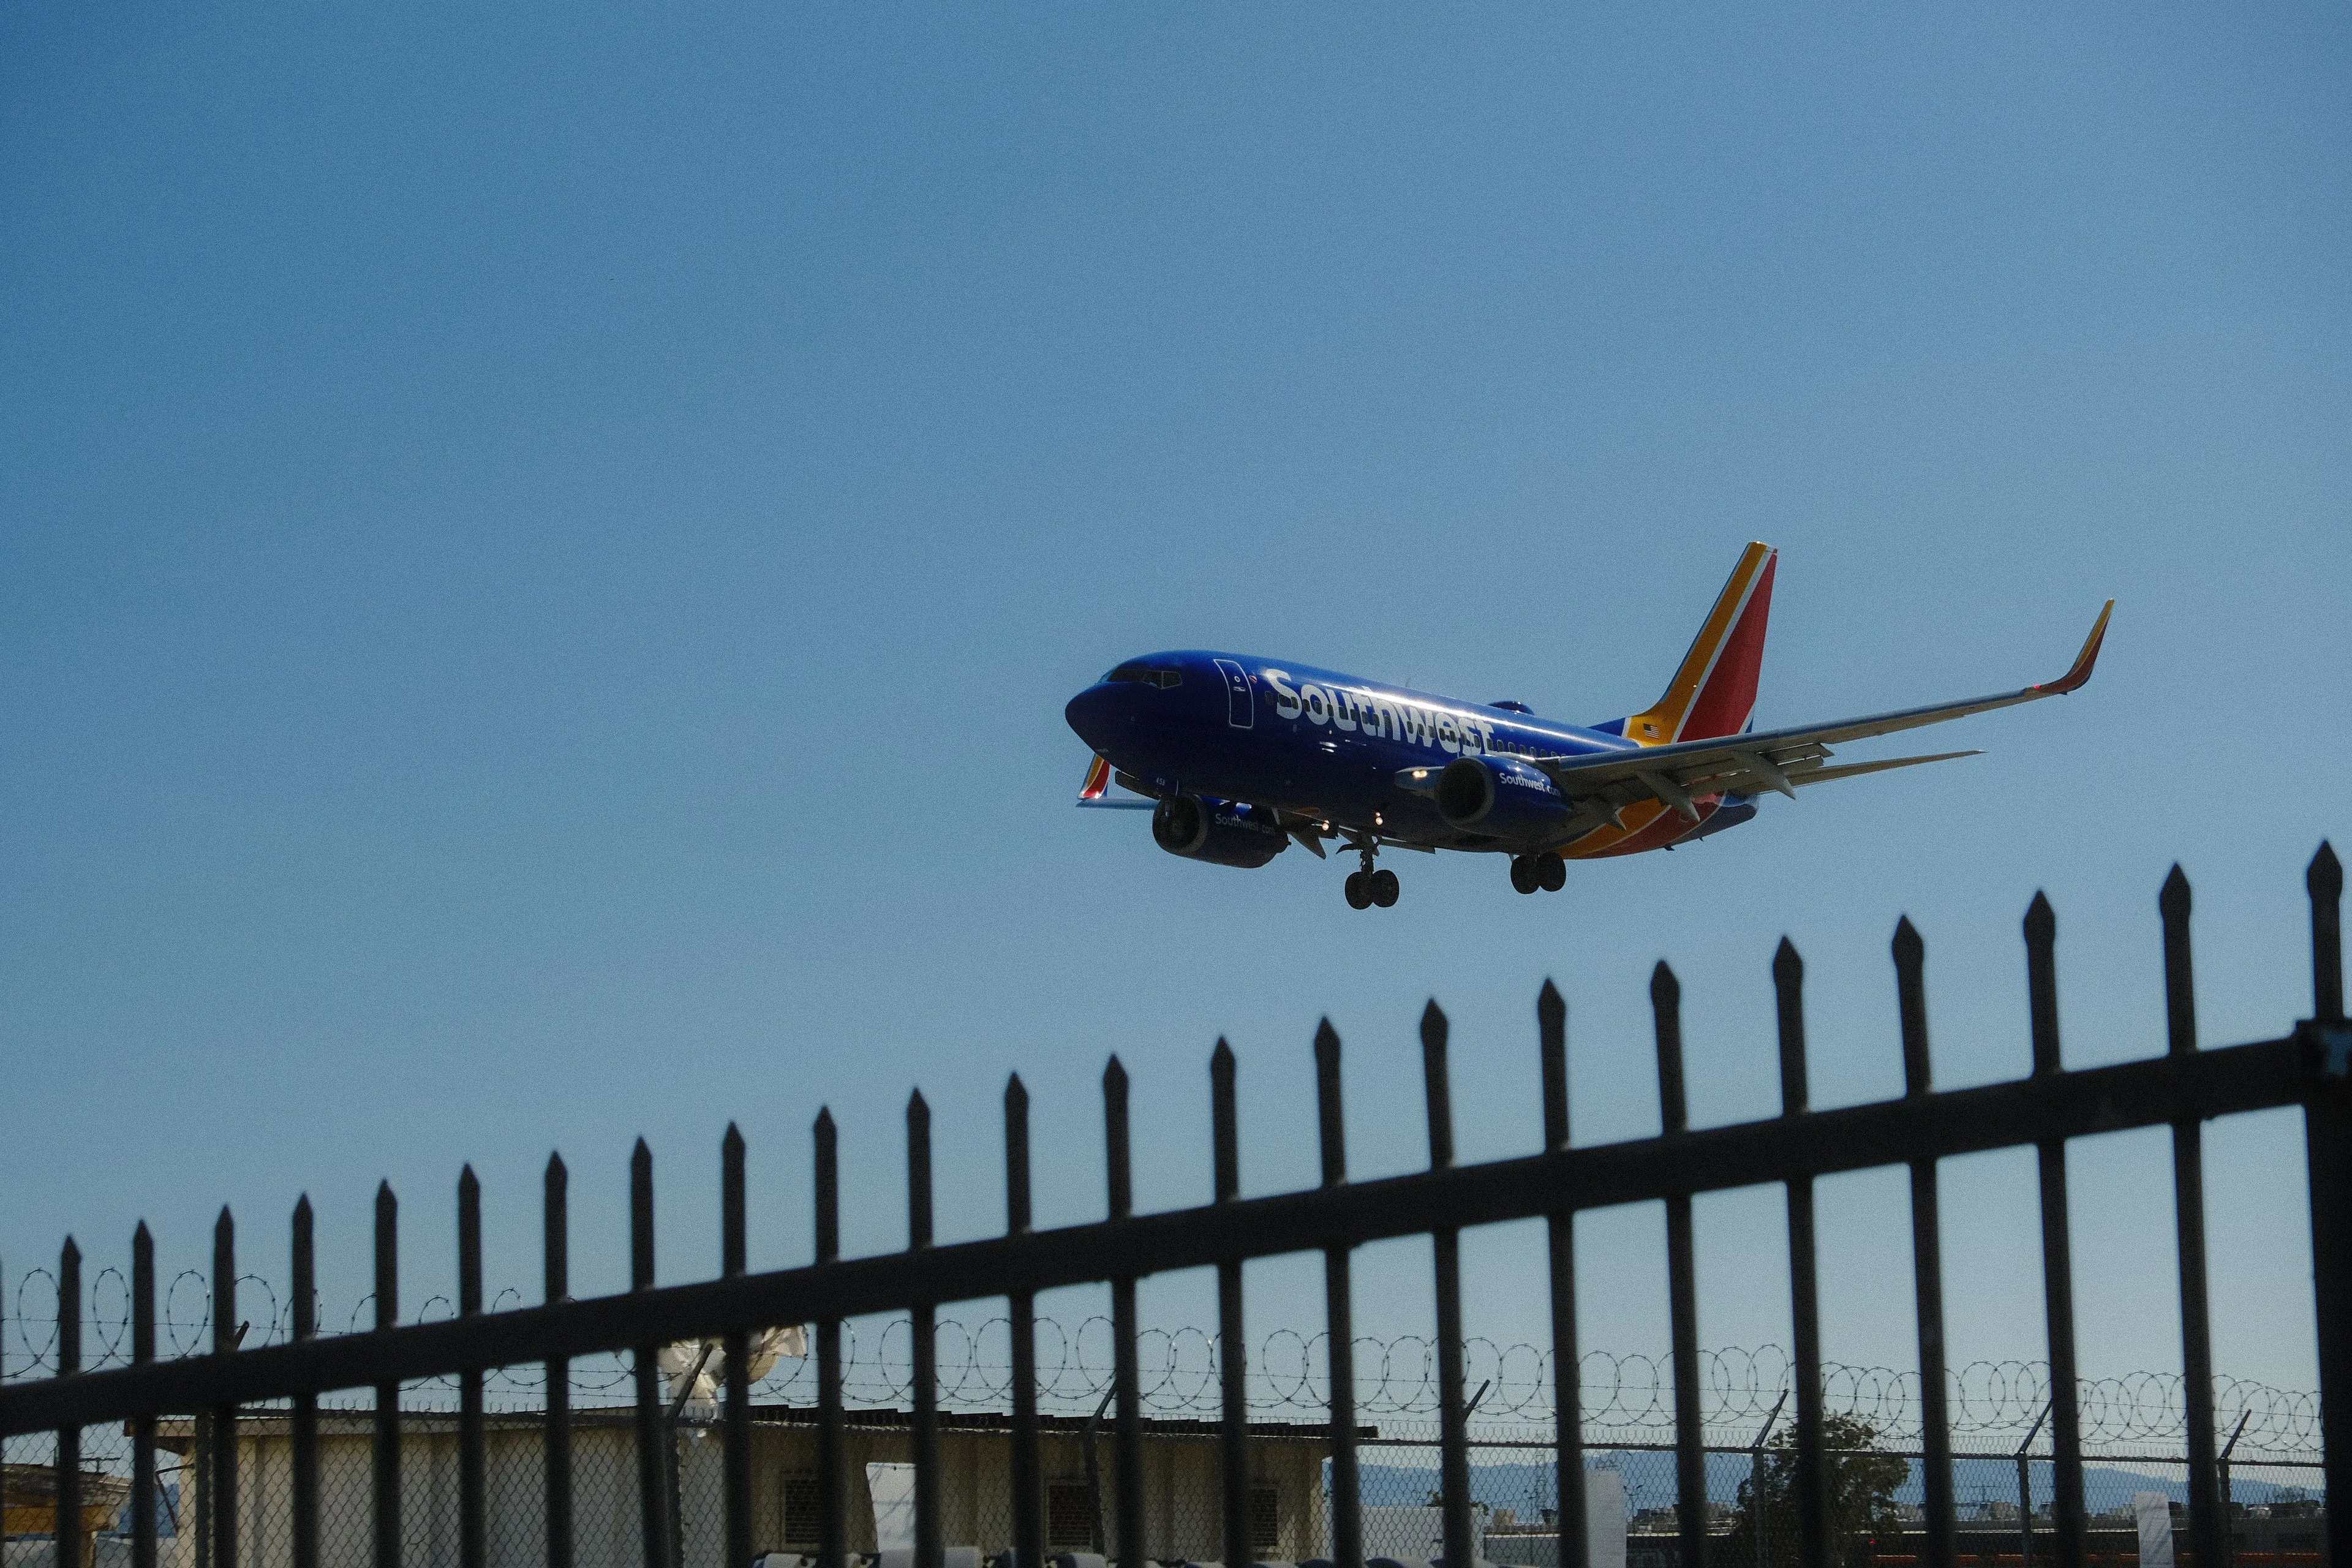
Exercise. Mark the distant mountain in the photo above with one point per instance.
(1976, 1480)
(1526, 1489)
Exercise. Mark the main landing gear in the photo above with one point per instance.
(1367, 887)
(1545, 871)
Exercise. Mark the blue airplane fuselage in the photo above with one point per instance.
(1315, 743)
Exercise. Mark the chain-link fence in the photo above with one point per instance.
(1513, 1487)
(2131, 1424)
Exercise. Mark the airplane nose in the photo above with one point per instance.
(1093, 713)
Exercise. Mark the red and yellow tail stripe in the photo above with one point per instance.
(1713, 691)
(1098, 783)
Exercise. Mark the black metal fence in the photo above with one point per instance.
(192, 1409)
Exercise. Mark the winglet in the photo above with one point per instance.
(1098, 783)
(2075, 678)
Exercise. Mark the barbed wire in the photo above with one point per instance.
(1625, 1397)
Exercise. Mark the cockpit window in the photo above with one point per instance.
(1144, 675)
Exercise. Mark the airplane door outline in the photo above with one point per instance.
(1241, 704)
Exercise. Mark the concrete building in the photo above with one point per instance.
(28, 1509)
(1183, 1517)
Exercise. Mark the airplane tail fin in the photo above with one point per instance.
(1714, 692)
(1098, 783)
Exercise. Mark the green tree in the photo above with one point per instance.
(1863, 1477)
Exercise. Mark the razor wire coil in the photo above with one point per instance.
(1624, 1397)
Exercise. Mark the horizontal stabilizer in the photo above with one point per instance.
(1096, 790)
(1855, 769)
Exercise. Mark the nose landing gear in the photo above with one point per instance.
(1368, 887)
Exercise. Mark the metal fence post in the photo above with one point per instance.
(653, 1431)
(924, 1323)
(2207, 1528)
(733, 1263)
(227, 1334)
(1755, 1481)
(1232, 1355)
(386, 1436)
(1347, 1543)
(1127, 1384)
(2327, 1137)
(2221, 1474)
(1028, 1478)
(2057, 1251)
(143, 1428)
(65, 1515)
(555, 1242)
(304, 1426)
(832, 1483)
(1445, 1250)
(2025, 1491)
(473, 1527)
(1804, 1274)
(1560, 1240)
(1926, 1255)
(1682, 1279)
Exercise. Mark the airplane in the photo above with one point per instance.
(1237, 758)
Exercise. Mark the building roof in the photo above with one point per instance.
(29, 1483)
(178, 1432)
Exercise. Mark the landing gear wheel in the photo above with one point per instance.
(1523, 873)
(1551, 872)
(1360, 896)
(1385, 888)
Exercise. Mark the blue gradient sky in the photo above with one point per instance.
(544, 552)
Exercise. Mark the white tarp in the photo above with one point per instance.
(893, 1489)
(1415, 1534)
(678, 1363)
(1604, 1519)
(1604, 1530)
(2155, 1510)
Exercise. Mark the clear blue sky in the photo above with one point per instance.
(544, 550)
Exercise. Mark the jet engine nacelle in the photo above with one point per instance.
(1221, 832)
(1502, 796)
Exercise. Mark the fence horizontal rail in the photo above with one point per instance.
(2156, 1092)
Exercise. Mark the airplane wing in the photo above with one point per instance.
(1780, 760)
